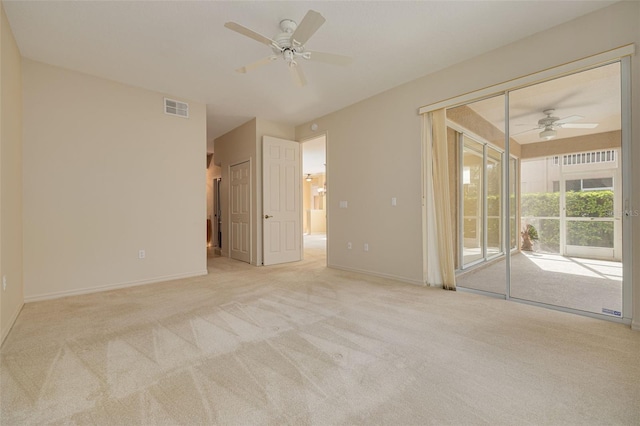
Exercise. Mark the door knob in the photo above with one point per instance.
(266, 216)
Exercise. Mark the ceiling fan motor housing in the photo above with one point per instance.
(288, 26)
(285, 43)
(549, 119)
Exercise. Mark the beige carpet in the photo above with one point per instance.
(301, 344)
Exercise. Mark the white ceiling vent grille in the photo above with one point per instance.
(178, 108)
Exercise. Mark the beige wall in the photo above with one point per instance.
(242, 144)
(11, 299)
(597, 141)
(470, 120)
(373, 155)
(384, 133)
(107, 173)
(234, 147)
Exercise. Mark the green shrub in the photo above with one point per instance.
(590, 204)
(540, 204)
(547, 204)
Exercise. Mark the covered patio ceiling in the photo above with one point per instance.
(594, 94)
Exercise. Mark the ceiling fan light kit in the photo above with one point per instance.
(547, 134)
(290, 45)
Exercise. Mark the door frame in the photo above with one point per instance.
(327, 194)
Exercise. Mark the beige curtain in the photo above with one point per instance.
(442, 198)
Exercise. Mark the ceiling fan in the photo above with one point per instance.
(550, 124)
(290, 45)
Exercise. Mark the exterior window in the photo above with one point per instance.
(482, 205)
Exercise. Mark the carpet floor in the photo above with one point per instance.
(301, 344)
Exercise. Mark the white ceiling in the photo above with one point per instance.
(183, 49)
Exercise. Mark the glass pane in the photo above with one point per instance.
(513, 203)
(494, 202)
(479, 164)
(473, 219)
(574, 185)
(570, 245)
(539, 206)
(597, 183)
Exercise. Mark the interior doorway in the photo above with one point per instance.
(314, 196)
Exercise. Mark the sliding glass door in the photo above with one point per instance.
(571, 225)
(539, 212)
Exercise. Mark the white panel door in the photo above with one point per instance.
(281, 182)
(240, 202)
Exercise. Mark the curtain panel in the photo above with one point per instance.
(440, 238)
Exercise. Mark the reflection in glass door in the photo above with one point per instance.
(514, 205)
(472, 201)
(494, 202)
(569, 132)
(476, 141)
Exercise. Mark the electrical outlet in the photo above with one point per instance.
(349, 245)
(141, 254)
(394, 201)
(366, 246)
(4, 282)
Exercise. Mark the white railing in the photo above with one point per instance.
(593, 157)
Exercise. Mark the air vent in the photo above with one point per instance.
(178, 108)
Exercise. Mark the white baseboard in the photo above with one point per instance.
(635, 324)
(12, 321)
(377, 274)
(88, 290)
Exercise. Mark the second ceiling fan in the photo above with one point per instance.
(290, 45)
(550, 124)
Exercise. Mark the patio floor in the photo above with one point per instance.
(583, 284)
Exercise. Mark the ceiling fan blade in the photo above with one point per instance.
(297, 75)
(256, 64)
(525, 131)
(569, 119)
(328, 58)
(309, 25)
(579, 126)
(249, 33)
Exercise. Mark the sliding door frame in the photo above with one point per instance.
(620, 55)
(486, 145)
